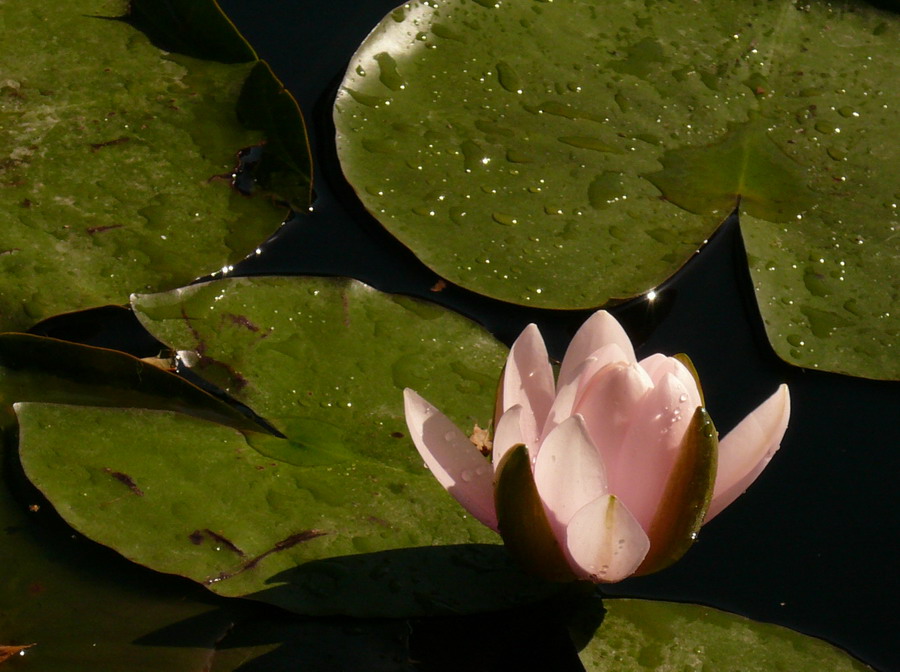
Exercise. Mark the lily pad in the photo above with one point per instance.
(643, 635)
(116, 163)
(83, 608)
(340, 516)
(571, 172)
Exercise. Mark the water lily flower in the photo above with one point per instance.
(608, 471)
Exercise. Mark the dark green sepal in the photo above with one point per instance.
(522, 520)
(686, 499)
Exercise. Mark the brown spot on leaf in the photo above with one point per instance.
(204, 361)
(124, 479)
(100, 229)
(282, 545)
(198, 536)
(242, 321)
(227, 543)
(96, 146)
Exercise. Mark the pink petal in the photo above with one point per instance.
(568, 473)
(608, 405)
(528, 380)
(747, 449)
(659, 365)
(507, 433)
(605, 542)
(600, 329)
(650, 448)
(454, 460)
(568, 394)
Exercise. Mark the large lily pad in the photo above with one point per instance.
(82, 608)
(566, 154)
(643, 635)
(116, 162)
(321, 521)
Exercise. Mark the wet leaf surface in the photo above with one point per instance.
(565, 173)
(117, 161)
(643, 635)
(338, 517)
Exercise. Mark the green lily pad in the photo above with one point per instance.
(643, 635)
(340, 516)
(81, 608)
(116, 162)
(567, 173)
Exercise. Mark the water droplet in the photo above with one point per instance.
(605, 189)
(365, 98)
(836, 153)
(519, 156)
(683, 398)
(589, 142)
(466, 475)
(473, 156)
(508, 77)
(388, 74)
(502, 218)
(446, 32)
(380, 145)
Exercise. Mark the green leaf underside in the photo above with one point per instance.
(318, 522)
(688, 493)
(116, 162)
(643, 635)
(522, 520)
(576, 171)
(33, 368)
